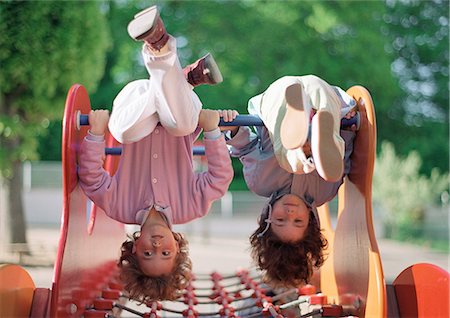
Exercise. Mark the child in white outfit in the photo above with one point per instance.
(279, 163)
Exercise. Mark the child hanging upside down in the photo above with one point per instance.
(298, 159)
(157, 120)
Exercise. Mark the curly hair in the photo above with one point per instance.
(144, 288)
(288, 264)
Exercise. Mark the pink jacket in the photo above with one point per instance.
(156, 171)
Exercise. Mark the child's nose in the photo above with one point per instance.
(289, 209)
(156, 243)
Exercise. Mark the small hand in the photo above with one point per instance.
(208, 119)
(350, 115)
(98, 121)
(229, 115)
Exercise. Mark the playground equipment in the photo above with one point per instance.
(350, 283)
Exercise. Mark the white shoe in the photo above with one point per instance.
(143, 22)
(295, 125)
(327, 156)
(147, 26)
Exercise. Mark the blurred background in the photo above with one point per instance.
(398, 50)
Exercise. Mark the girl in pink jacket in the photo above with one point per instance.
(157, 120)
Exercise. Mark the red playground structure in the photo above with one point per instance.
(349, 284)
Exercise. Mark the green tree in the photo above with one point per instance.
(45, 47)
(419, 33)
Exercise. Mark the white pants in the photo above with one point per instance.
(270, 106)
(166, 97)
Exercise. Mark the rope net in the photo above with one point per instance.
(239, 295)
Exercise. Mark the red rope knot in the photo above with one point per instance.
(242, 272)
(258, 294)
(190, 300)
(151, 315)
(153, 305)
(227, 311)
(215, 276)
(190, 288)
(190, 312)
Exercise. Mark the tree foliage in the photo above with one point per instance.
(418, 31)
(45, 47)
(402, 192)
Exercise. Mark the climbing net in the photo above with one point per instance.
(240, 295)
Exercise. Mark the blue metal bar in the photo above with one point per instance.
(117, 151)
(240, 120)
(244, 120)
(198, 150)
(84, 120)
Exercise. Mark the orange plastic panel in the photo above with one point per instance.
(89, 241)
(352, 274)
(422, 290)
(363, 157)
(16, 291)
(327, 276)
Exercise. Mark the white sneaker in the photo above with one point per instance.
(295, 125)
(327, 156)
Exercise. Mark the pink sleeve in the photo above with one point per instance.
(212, 184)
(95, 181)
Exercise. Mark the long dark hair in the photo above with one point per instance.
(287, 264)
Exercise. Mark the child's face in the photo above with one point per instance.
(156, 250)
(290, 218)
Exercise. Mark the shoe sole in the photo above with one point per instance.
(143, 22)
(295, 124)
(325, 152)
(214, 72)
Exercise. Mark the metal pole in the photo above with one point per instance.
(240, 120)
